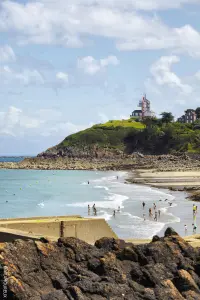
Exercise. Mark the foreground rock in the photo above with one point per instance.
(167, 268)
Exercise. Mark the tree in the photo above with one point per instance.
(167, 117)
(198, 112)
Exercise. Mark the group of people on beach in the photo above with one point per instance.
(151, 215)
(93, 208)
(194, 209)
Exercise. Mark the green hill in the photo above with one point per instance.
(110, 134)
(127, 136)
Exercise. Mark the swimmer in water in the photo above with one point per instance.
(114, 213)
(88, 182)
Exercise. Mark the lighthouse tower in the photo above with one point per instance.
(145, 105)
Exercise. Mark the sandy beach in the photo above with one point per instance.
(172, 180)
(193, 240)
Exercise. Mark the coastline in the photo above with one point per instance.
(186, 179)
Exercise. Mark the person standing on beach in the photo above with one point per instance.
(194, 228)
(194, 209)
(154, 206)
(156, 216)
(159, 213)
(185, 229)
(114, 213)
(93, 207)
(144, 216)
(143, 204)
(88, 210)
(118, 209)
(150, 213)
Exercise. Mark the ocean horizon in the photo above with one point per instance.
(13, 158)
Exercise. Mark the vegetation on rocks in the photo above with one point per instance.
(69, 269)
(152, 136)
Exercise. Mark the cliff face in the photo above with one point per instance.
(92, 151)
(167, 268)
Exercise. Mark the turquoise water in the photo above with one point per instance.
(11, 158)
(26, 193)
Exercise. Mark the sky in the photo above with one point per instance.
(67, 65)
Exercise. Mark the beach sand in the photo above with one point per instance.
(176, 180)
(193, 240)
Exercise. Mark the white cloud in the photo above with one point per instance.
(7, 54)
(197, 75)
(63, 77)
(14, 122)
(24, 77)
(163, 75)
(91, 66)
(44, 122)
(63, 23)
(165, 88)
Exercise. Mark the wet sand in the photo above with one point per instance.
(175, 180)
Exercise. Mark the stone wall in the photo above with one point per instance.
(89, 230)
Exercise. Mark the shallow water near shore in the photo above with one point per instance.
(49, 193)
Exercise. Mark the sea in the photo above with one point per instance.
(30, 193)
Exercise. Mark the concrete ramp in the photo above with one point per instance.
(86, 229)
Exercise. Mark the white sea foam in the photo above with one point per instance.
(131, 216)
(144, 229)
(41, 204)
(102, 215)
(101, 187)
(113, 201)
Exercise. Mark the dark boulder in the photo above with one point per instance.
(170, 231)
(166, 269)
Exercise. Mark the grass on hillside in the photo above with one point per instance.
(122, 123)
(110, 134)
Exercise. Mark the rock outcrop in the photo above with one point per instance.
(166, 269)
(110, 161)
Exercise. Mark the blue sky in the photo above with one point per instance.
(66, 65)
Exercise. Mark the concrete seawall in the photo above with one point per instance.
(86, 229)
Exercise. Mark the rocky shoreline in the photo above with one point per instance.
(161, 163)
(137, 163)
(70, 269)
